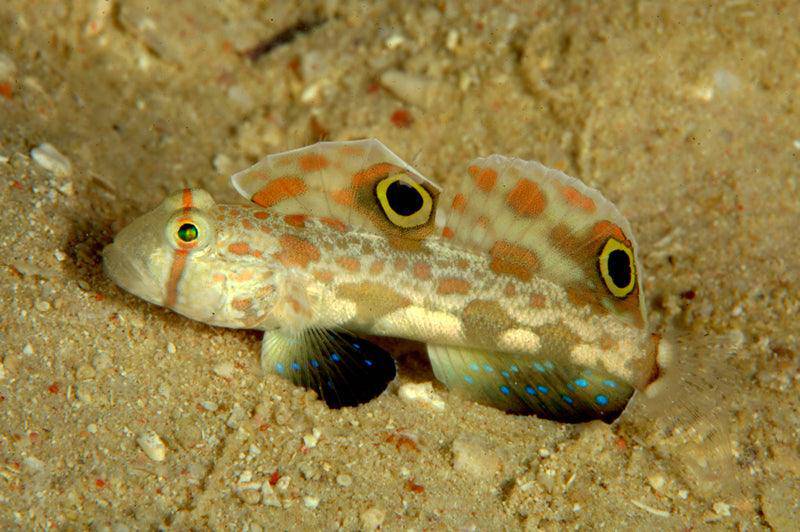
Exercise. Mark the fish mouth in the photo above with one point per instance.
(130, 275)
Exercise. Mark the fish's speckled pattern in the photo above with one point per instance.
(524, 283)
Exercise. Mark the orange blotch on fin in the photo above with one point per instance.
(278, 190)
(349, 263)
(372, 173)
(242, 304)
(526, 199)
(485, 178)
(459, 202)
(605, 229)
(577, 199)
(510, 259)
(422, 271)
(312, 162)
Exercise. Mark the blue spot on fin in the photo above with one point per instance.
(545, 387)
(344, 369)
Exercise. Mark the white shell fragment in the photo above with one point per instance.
(421, 393)
(49, 158)
(152, 446)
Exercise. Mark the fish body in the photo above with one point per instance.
(524, 283)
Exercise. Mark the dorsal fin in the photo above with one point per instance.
(535, 221)
(348, 182)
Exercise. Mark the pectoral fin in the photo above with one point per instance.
(344, 369)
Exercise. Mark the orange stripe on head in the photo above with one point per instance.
(175, 274)
(179, 258)
(186, 200)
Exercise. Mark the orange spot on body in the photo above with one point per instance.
(459, 202)
(241, 277)
(261, 215)
(577, 199)
(537, 301)
(402, 118)
(485, 178)
(218, 278)
(278, 190)
(334, 223)
(297, 252)
(452, 285)
(240, 248)
(296, 220)
(247, 224)
(400, 264)
(312, 162)
(510, 259)
(482, 221)
(377, 267)
(348, 263)
(448, 233)
(242, 304)
(510, 290)
(323, 276)
(422, 271)
(526, 199)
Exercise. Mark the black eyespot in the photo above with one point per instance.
(619, 268)
(404, 199)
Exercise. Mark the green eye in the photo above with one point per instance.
(187, 232)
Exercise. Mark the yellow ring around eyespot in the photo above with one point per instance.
(613, 245)
(412, 220)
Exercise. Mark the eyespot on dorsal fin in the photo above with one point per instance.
(361, 184)
(536, 221)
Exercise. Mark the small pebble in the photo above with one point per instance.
(395, 41)
(49, 158)
(91, 428)
(420, 393)
(268, 496)
(7, 67)
(283, 483)
(311, 501)
(27, 350)
(656, 481)
(210, 406)
(372, 518)
(60, 255)
(249, 496)
(310, 440)
(152, 446)
(42, 306)
(2, 371)
(722, 509)
(171, 348)
(225, 369)
(344, 480)
(236, 417)
(411, 88)
(475, 458)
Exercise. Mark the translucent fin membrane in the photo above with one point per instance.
(685, 416)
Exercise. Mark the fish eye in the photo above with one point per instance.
(617, 268)
(187, 232)
(405, 202)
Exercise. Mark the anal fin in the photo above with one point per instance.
(526, 384)
(344, 369)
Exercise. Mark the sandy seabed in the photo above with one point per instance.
(686, 116)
